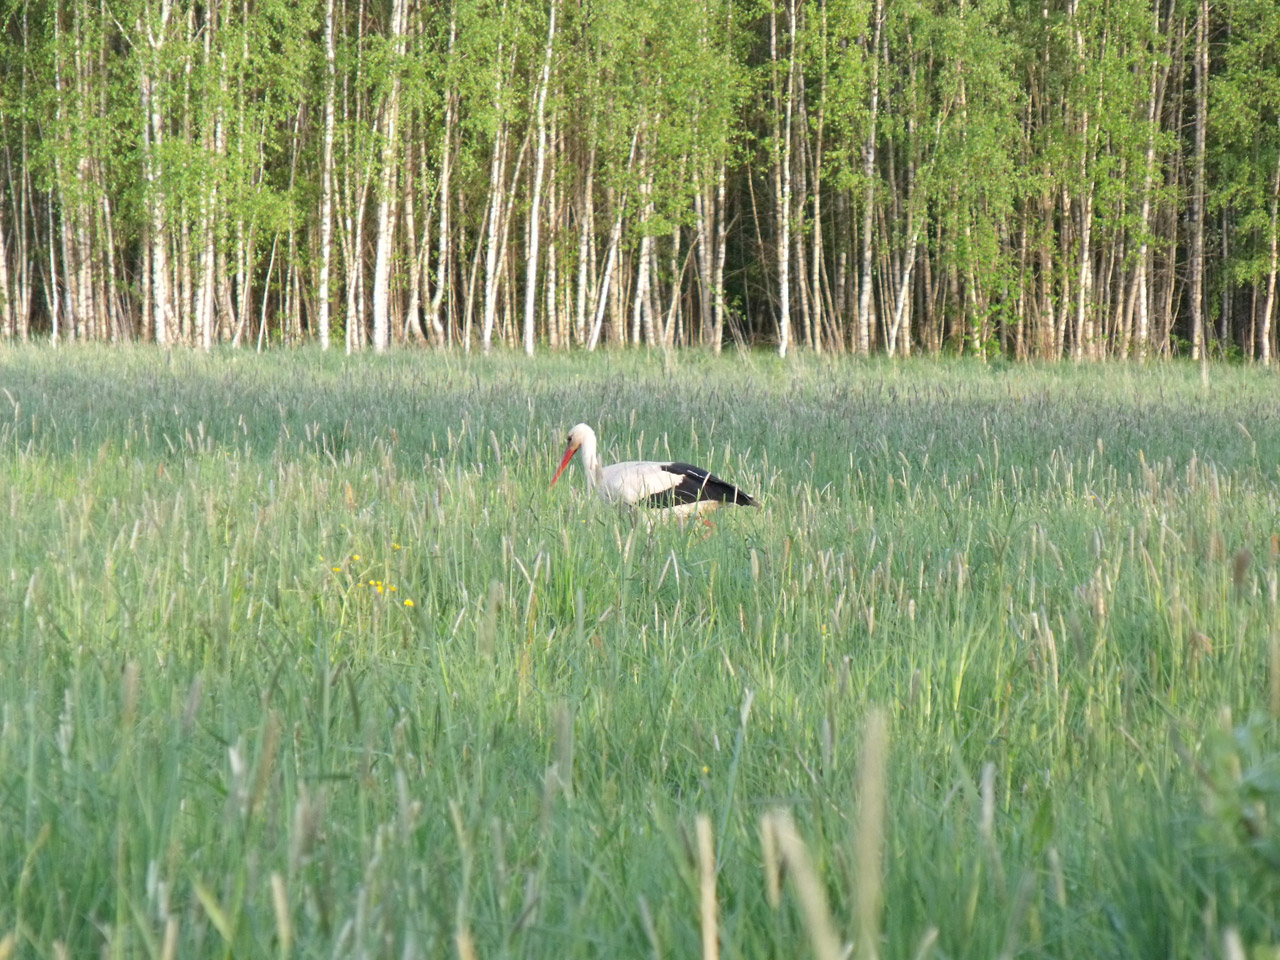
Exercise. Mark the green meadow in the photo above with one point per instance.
(301, 657)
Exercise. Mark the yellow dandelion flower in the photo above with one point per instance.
(395, 546)
(392, 588)
(355, 556)
(337, 569)
(408, 603)
(379, 588)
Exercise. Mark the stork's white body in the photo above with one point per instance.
(633, 481)
(677, 489)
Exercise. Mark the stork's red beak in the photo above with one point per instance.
(568, 455)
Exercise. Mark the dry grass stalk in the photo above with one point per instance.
(772, 862)
(926, 944)
(1275, 671)
(707, 886)
(466, 945)
(813, 899)
(870, 840)
(1232, 945)
(284, 919)
(650, 929)
(169, 949)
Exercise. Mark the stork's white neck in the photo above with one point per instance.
(591, 459)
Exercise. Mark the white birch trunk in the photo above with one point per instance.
(443, 247)
(497, 178)
(782, 180)
(1199, 342)
(387, 189)
(55, 305)
(641, 315)
(161, 301)
(611, 257)
(204, 285)
(551, 293)
(865, 320)
(355, 279)
(7, 326)
(586, 243)
(800, 190)
(703, 204)
(1142, 332)
(1084, 335)
(326, 175)
(841, 305)
(1264, 329)
(88, 312)
(153, 138)
(602, 298)
(535, 209)
(62, 206)
(815, 267)
(23, 259)
(444, 238)
(900, 326)
(1084, 345)
(419, 246)
(204, 296)
(670, 327)
(899, 329)
(184, 282)
(496, 195)
(469, 299)
(244, 232)
(717, 276)
(504, 254)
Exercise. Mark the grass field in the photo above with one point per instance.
(300, 656)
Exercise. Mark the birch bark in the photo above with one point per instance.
(1199, 344)
(539, 168)
(1264, 328)
(326, 180)
(444, 251)
(387, 187)
(1142, 321)
(865, 320)
(152, 143)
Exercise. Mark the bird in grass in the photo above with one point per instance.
(679, 489)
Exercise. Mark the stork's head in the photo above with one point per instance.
(577, 437)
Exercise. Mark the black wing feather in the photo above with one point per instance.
(697, 484)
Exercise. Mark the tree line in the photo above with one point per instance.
(1047, 179)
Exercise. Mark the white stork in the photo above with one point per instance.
(681, 489)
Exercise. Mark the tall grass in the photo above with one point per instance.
(301, 657)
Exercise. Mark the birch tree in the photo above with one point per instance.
(1199, 343)
(866, 319)
(1035, 178)
(151, 29)
(386, 224)
(783, 107)
(326, 178)
(539, 170)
